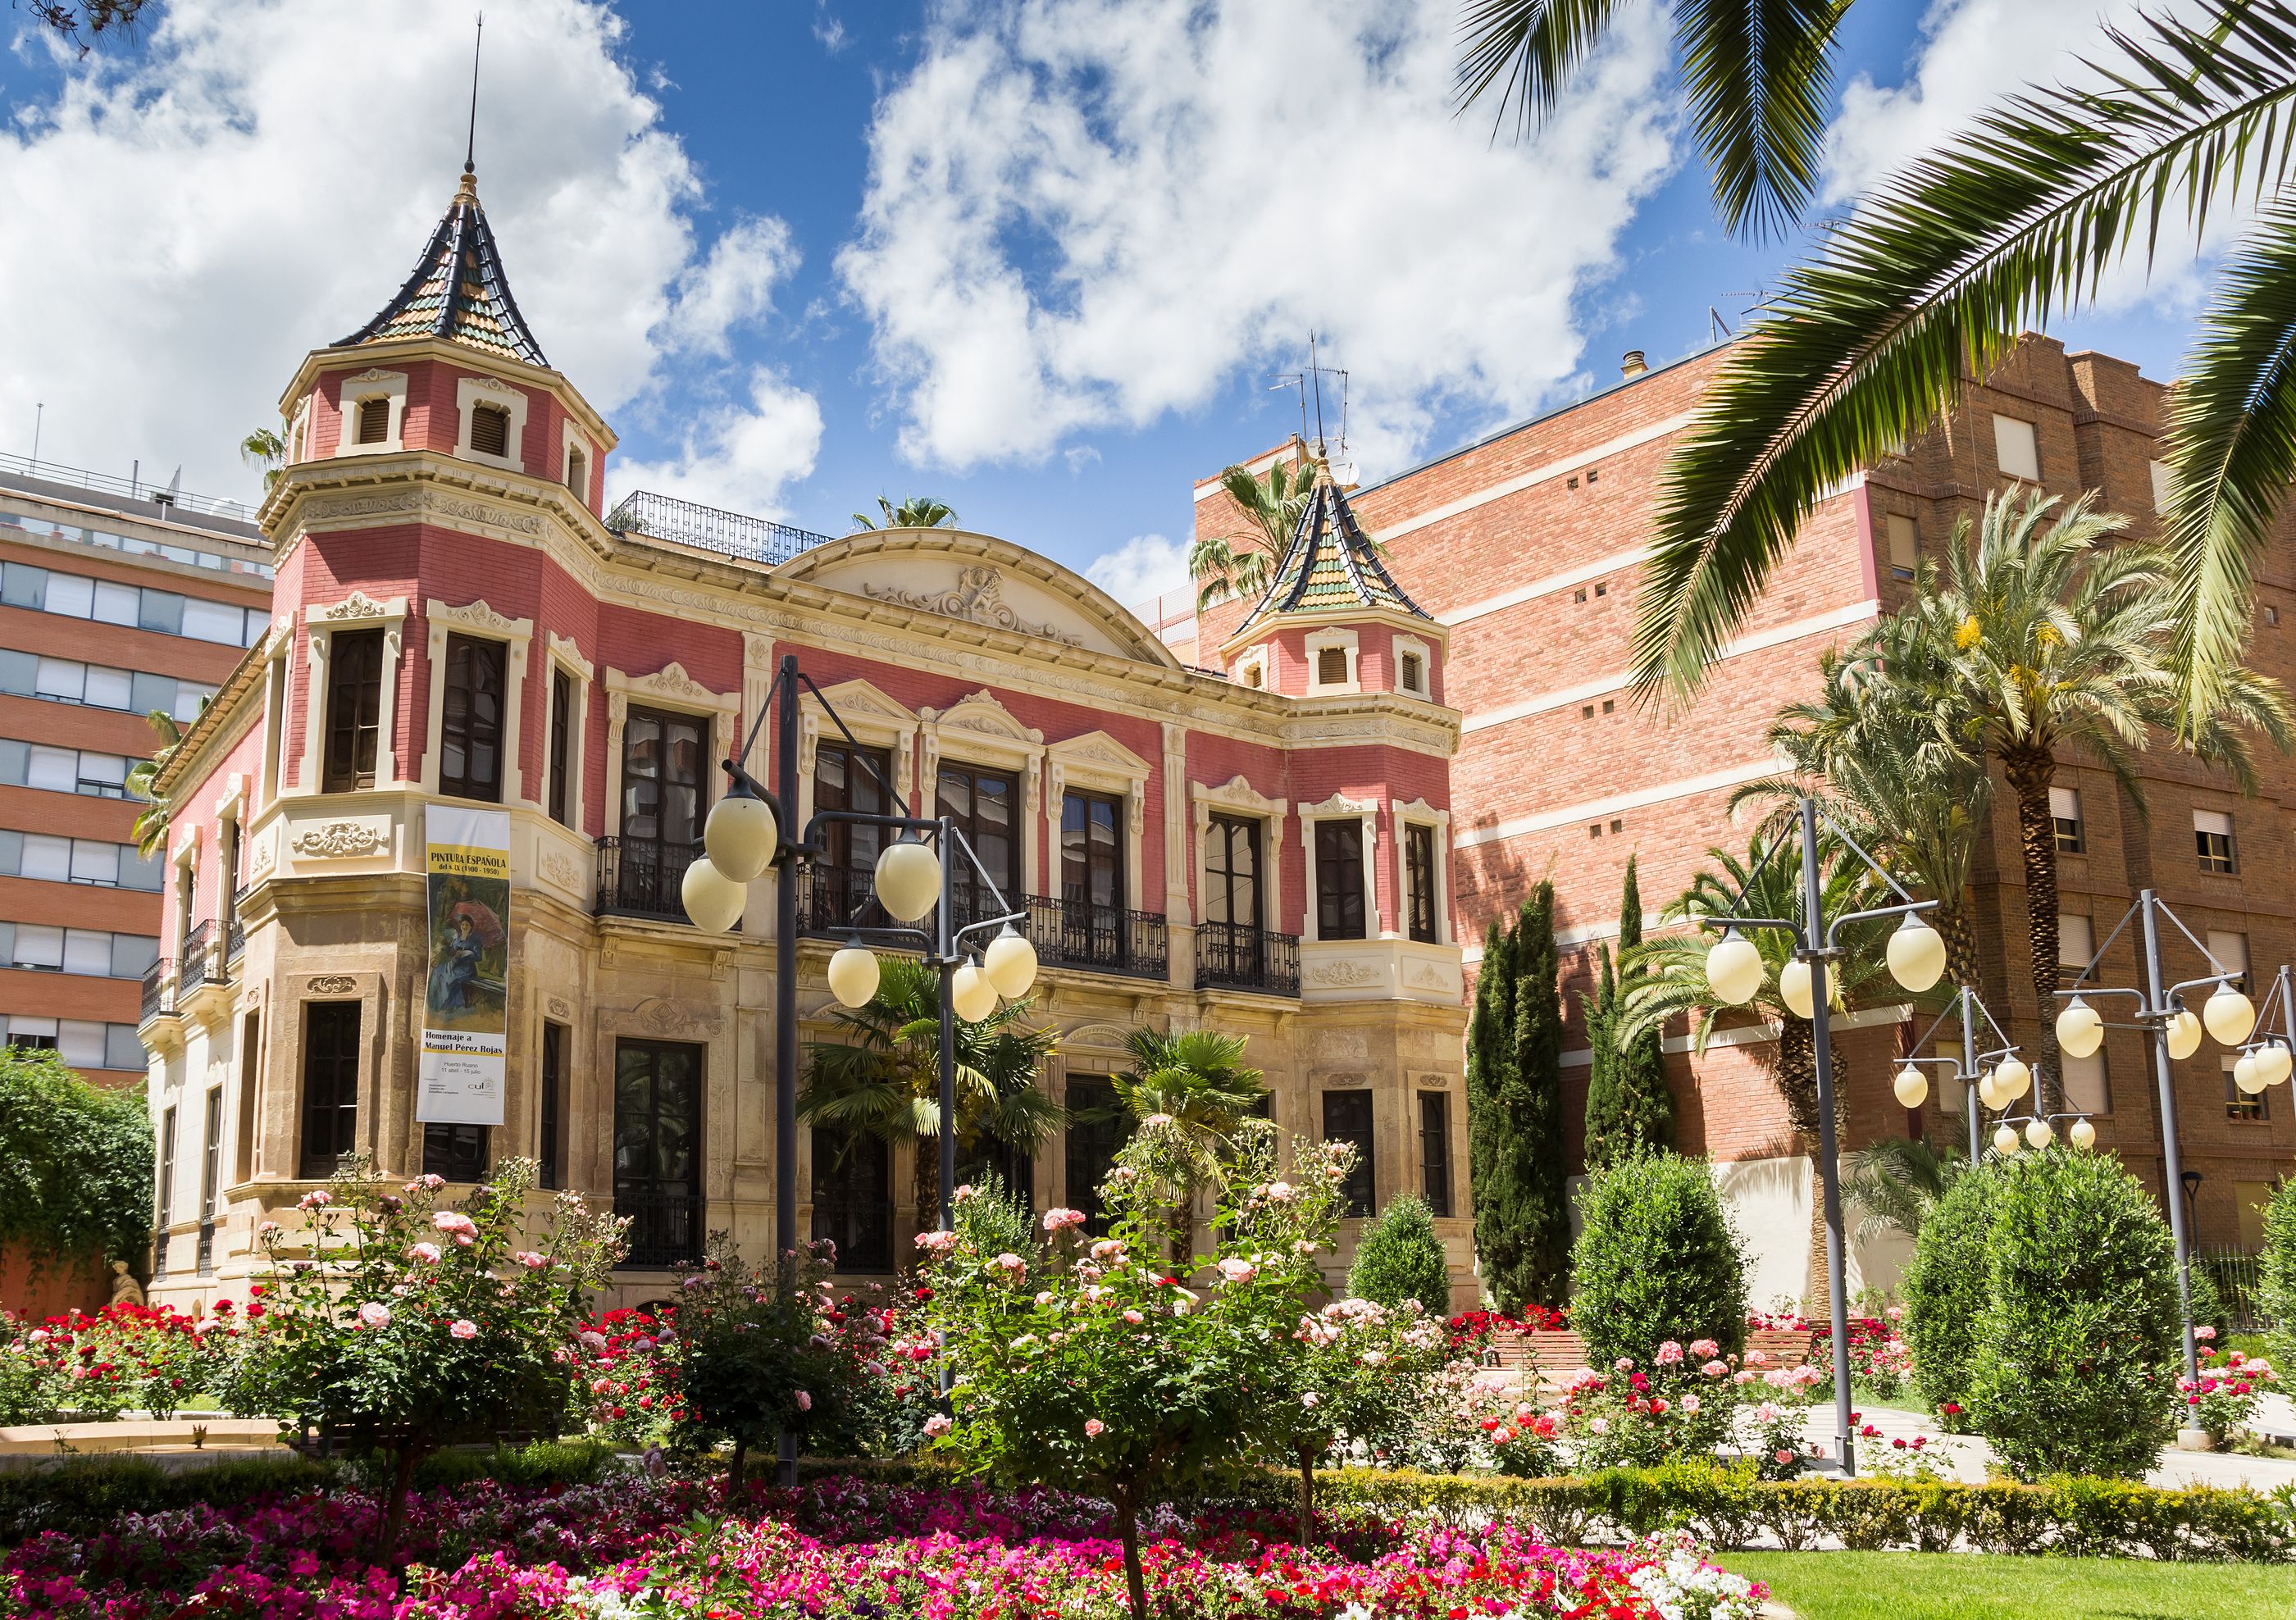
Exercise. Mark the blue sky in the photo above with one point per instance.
(1039, 258)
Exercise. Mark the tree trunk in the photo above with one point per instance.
(924, 1181)
(1952, 921)
(1796, 1075)
(1306, 1497)
(2029, 771)
(394, 1509)
(735, 1468)
(1127, 1532)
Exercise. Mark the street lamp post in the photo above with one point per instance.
(1972, 1069)
(745, 837)
(2228, 1015)
(1733, 970)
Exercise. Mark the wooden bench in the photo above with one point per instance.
(1783, 1347)
(1553, 1355)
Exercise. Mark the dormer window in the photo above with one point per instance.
(1331, 667)
(374, 420)
(490, 429)
(577, 472)
(1414, 673)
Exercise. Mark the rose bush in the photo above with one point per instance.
(124, 1357)
(2224, 1394)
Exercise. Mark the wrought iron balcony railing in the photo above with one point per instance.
(157, 1001)
(1233, 956)
(640, 878)
(191, 971)
(665, 1228)
(1100, 938)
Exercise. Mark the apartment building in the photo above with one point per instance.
(1527, 548)
(116, 600)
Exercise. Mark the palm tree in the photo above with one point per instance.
(1196, 1078)
(2051, 643)
(151, 829)
(1896, 1182)
(882, 1078)
(1881, 746)
(265, 449)
(1241, 564)
(1928, 283)
(1670, 974)
(914, 511)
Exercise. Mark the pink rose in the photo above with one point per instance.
(1601, 1426)
(1669, 1354)
(804, 1401)
(374, 1314)
(464, 1328)
(938, 1425)
(2204, 1333)
(1715, 1368)
(1059, 1220)
(1690, 1402)
(528, 1258)
(936, 1242)
(1279, 1192)
(1093, 1428)
(1783, 1455)
(1704, 1348)
(315, 1200)
(428, 1253)
(1134, 1318)
(1008, 1262)
(1238, 1270)
(1625, 1363)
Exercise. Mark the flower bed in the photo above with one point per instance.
(837, 1547)
(95, 1367)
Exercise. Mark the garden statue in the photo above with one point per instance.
(125, 1288)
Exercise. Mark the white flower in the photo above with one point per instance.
(464, 1328)
(374, 1314)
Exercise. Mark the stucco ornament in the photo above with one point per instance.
(977, 599)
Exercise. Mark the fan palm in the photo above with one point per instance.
(1198, 1079)
(151, 829)
(914, 511)
(1931, 281)
(1896, 1182)
(1241, 564)
(1759, 75)
(2052, 643)
(265, 449)
(882, 1077)
(1881, 747)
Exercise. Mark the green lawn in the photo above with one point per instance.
(1971, 1586)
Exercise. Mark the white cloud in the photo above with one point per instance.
(1144, 566)
(1083, 213)
(257, 180)
(739, 455)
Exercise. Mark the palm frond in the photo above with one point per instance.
(1931, 281)
(1534, 45)
(1760, 78)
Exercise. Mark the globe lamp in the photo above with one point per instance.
(1916, 954)
(971, 994)
(2079, 1030)
(2005, 1139)
(853, 975)
(2183, 1033)
(1913, 1086)
(1794, 985)
(2038, 1134)
(2083, 1135)
(740, 834)
(712, 899)
(1733, 968)
(908, 880)
(1011, 964)
(2230, 1016)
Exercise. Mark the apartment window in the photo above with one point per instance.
(984, 805)
(2231, 952)
(490, 429)
(1905, 544)
(353, 710)
(562, 746)
(1419, 879)
(663, 801)
(1435, 1151)
(211, 1176)
(1232, 872)
(2244, 1108)
(2076, 940)
(374, 420)
(1092, 851)
(846, 778)
(2016, 448)
(2065, 814)
(2212, 834)
(853, 1198)
(1414, 673)
(470, 721)
(167, 1199)
(457, 1152)
(331, 1073)
(1331, 667)
(577, 473)
(2161, 486)
(251, 1078)
(1338, 880)
(1095, 1131)
(551, 1156)
(658, 1150)
(2088, 1085)
(2249, 1200)
(1346, 1118)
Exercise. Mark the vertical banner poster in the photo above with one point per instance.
(466, 995)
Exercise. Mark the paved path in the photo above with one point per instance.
(1965, 1456)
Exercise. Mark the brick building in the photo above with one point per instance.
(1527, 548)
(459, 622)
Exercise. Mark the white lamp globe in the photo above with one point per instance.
(1985, 1092)
(2011, 1079)
(853, 975)
(2079, 1030)
(1916, 954)
(908, 880)
(2275, 1063)
(2083, 1135)
(971, 994)
(712, 899)
(2005, 1139)
(2230, 1016)
(739, 835)
(1913, 1086)
(1733, 968)
(1794, 985)
(1011, 964)
(2038, 1134)
(2183, 1033)
(2248, 1074)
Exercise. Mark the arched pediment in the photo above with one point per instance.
(976, 580)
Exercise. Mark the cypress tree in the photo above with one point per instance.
(1629, 1109)
(1491, 1158)
(1514, 1111)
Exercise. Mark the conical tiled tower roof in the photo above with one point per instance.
(458, 290)
(1331, 566)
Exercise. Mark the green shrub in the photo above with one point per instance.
(1945, 1284)
(2077, 1342)
(1656, 1259)
(75, 1162)
(2275, 1299)
(86, 1496)
(1399, 1257)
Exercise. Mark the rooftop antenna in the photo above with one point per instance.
(1294, 379)
(167, 498)
(470, 151)
(39, 415)
(1717, 328)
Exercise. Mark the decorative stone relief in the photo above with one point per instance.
(561, 1008)
(668, 1017)
(359, 604)
(331, 984)
(977, 599)
(559, 870)
(341, 840)
(1346, 974)
(1340, 1076)
(1339, 1046)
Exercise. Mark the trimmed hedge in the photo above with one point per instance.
(1623, 1305)
(1945, 1286)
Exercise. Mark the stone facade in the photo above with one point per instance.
(623, 660)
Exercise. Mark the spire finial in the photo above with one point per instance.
(470, 151)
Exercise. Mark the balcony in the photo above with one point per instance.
(1233, 956)
(640, 877)
(158, 998)
(1098, 938)
(665, 1228)
(235, 936)
(193, 970)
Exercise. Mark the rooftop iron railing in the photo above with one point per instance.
(663, 517)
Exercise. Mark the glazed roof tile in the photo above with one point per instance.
(458, 290)
(1330, 565)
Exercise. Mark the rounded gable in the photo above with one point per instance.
(981, 580)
